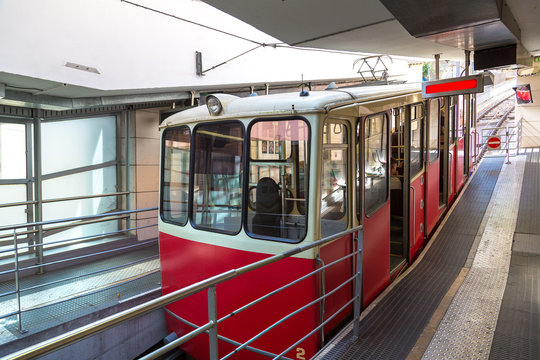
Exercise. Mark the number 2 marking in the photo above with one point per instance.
(300, 353)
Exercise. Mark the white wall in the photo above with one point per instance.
(530, 113)
(136, 48)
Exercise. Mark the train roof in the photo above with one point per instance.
(289, 103)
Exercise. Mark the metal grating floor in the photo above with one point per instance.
(518, 325)
(392, 328)
(76, 299)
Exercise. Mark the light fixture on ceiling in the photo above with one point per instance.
(82, 67)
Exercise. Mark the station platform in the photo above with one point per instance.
(474, 292)
(62, 300)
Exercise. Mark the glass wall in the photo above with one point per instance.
(78, 159)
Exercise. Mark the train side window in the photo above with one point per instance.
(375, 163)
(452, 120)
(278, 164)
(334, 178)
(417, 140)
(175, 175)
(461, 116)
(433, 130)
(217, 177)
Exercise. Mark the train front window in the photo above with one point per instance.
(217, 177)
(175, 175)
(334, 179)
(278, 164)
(375, 163)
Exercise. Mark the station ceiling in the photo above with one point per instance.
(412, 28)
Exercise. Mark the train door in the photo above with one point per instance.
(432, 166)
(335, 217)
(415, 175)
(452, 148)
(460, 143)
(372, 132)
(398, 234)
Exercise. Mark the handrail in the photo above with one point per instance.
(18, 226)
(83, 332)
(64, 199)
(15, 249)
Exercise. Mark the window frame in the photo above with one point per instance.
(163, 172)
(192, 177)
(386, 126)
(348, 145)
(423, 146)
(247, 159)
(436, 105)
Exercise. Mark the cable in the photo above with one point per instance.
(235, 57)
(191, 22)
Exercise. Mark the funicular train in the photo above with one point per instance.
(246, 178)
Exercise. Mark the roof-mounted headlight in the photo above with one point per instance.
(214, 105)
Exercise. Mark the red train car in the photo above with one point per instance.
(243, 179)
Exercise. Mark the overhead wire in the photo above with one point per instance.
(258, 43)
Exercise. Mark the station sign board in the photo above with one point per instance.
(494, 142)
(454, 86)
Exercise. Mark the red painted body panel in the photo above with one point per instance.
(184, 262)
(432, 195)
(335, 276)
(460, 166)
(417, 215)
(376, 253)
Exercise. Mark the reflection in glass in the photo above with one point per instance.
(334, 179)
(217, 181)
(277, 179)
(375, 162)
(175, 168)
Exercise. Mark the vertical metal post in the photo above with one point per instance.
(17, 285)
(467, 61)
(38, 192)
(437, 68)
(358, 282)
(29, 181)
(507, 146)
(128, 182)
(212, 316)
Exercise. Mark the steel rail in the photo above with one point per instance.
(81, 333)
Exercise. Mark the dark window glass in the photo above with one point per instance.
(417, 139)
(277, 179)
(175, 175)
(334, 179)
(217, 180)
(452, 112)
(433, 130)
(375, 162)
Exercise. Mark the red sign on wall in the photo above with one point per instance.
(494, 142)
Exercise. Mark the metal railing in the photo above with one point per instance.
(210, 328)
(16, 249)
(508, 137)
